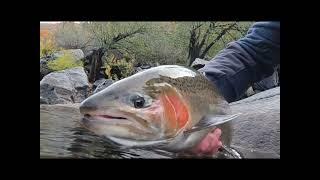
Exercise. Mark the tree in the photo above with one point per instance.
(111, 43)
(108, 36)
(157, 45)
(204, 35)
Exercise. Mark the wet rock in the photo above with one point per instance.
(43, 100)
(258, 128)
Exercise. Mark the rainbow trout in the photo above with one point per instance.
(167, 107)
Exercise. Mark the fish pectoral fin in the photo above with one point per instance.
(209, 121)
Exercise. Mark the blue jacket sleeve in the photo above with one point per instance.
(245, 61)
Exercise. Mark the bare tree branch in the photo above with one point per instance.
(204, 38)
(195, 27)
(231, 35)
(224, 43)
(242, 31)
(122, 36)
(223, 32)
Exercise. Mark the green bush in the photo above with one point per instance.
(64, 62)
(126, 68)
(119, 70)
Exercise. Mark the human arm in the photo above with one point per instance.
(239, 65)
(245, 61)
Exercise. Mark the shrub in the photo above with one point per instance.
(64, 62)
(119, 70)
(125, 68)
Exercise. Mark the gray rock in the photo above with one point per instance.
(146, 66)
(43, 100)
(97, 83)
(250, 91)
(253, 154)
(138, 69)
(198, 63)
(63, 87)
(258, 128)
(43, 61)
(143, 68)
(44, 70)
(102, 84)
(267, 83)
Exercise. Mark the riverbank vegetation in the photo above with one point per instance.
(125, 45)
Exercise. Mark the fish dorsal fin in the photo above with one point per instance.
(209, 121)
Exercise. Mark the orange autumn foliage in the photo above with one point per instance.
(47, 43)
(44, 34)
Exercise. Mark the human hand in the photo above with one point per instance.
(210, 144)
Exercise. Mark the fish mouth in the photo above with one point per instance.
(113, 119)
(103, 117)
(106, 119)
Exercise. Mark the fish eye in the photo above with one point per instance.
(138, 101)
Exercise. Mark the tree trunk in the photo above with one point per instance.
(196, 49)
(194, 53)
(95, 64)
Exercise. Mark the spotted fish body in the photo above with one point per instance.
(168, 107)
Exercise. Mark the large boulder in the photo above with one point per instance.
(258, 128)
(63, 87)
